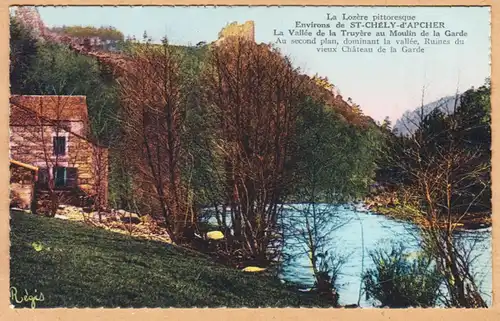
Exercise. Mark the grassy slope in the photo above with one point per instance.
(88, 267)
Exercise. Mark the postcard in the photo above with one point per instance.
(250, 157)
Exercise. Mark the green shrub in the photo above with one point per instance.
(329, 267)
(400, 281)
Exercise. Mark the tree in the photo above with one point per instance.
(153, 117)
(329, 171)
(23, 50)
(254, 95)
(100, 172)
(446, 177)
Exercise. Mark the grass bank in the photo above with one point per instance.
(75, 265)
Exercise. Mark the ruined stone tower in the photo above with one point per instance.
(245, 30)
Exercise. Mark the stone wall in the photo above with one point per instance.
(21, 187)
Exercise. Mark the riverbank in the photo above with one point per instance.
(75, 265)
(387, 205)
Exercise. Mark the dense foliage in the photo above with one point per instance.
(442, 172)
(23, 49)
(463, 136)
(260, 153)
(400, 281)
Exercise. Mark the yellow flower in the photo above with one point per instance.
(37, 246)
(253, 269)
(215, 235)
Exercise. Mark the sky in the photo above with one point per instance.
(382, 84)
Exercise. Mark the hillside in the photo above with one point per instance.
(77, 265)
(407, 123)
(118, 61)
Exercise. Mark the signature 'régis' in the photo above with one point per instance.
(19, 298)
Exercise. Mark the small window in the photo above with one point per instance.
(65, 177)
(59, 146)
(59, 176)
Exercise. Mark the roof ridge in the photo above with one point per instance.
(76, 96)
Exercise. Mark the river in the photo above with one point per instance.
(368, 231)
